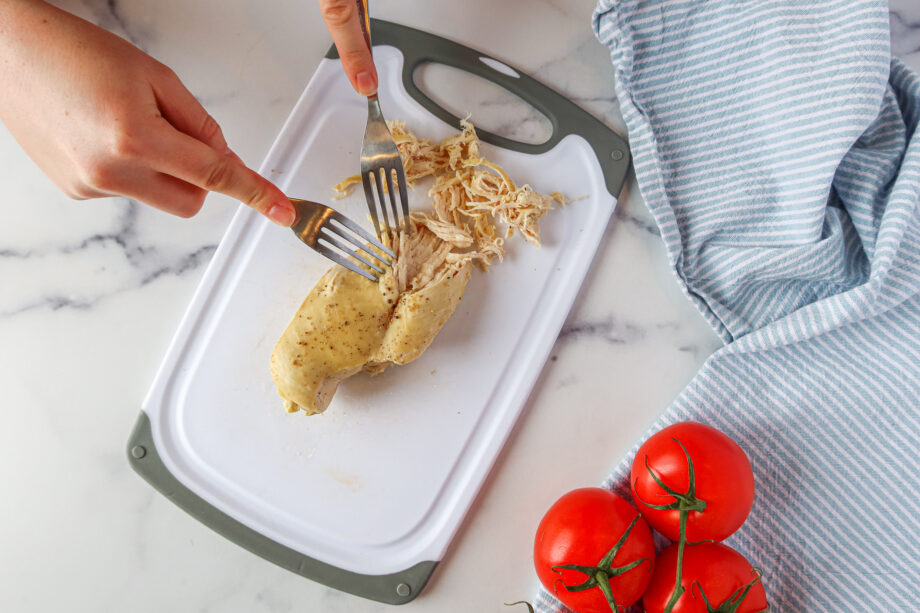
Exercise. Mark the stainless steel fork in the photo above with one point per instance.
(323, 229)
(380, 161)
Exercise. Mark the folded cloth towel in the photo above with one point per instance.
(776, 144)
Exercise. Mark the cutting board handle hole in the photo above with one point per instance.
(489, 106)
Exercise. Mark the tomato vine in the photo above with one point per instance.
(684, 503)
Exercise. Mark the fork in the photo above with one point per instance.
(317, 222)
(380, 156)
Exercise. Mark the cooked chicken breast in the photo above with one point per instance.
(348, 323)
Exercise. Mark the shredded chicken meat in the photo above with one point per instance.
(469, 197)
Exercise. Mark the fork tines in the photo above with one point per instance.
(392, 173)
(337, 227)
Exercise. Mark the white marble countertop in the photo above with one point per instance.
(90, 302)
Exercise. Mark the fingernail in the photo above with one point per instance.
(281, 215)
(365, 83)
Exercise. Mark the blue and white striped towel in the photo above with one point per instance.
(776, 144)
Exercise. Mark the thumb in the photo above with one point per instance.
(344, 24)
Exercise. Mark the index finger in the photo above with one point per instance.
(186, 158)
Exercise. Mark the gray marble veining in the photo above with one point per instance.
(121, 245)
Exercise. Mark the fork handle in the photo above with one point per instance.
(365, 18)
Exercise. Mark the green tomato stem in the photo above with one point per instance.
(599, 576)
(734, 601)
(678, 579)
(603, 582)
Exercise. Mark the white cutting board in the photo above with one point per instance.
(382, 479)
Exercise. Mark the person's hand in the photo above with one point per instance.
(102, 118)
(344, 24)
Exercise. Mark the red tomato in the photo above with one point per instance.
(713, 570)
(582, 528)
(723, 480)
